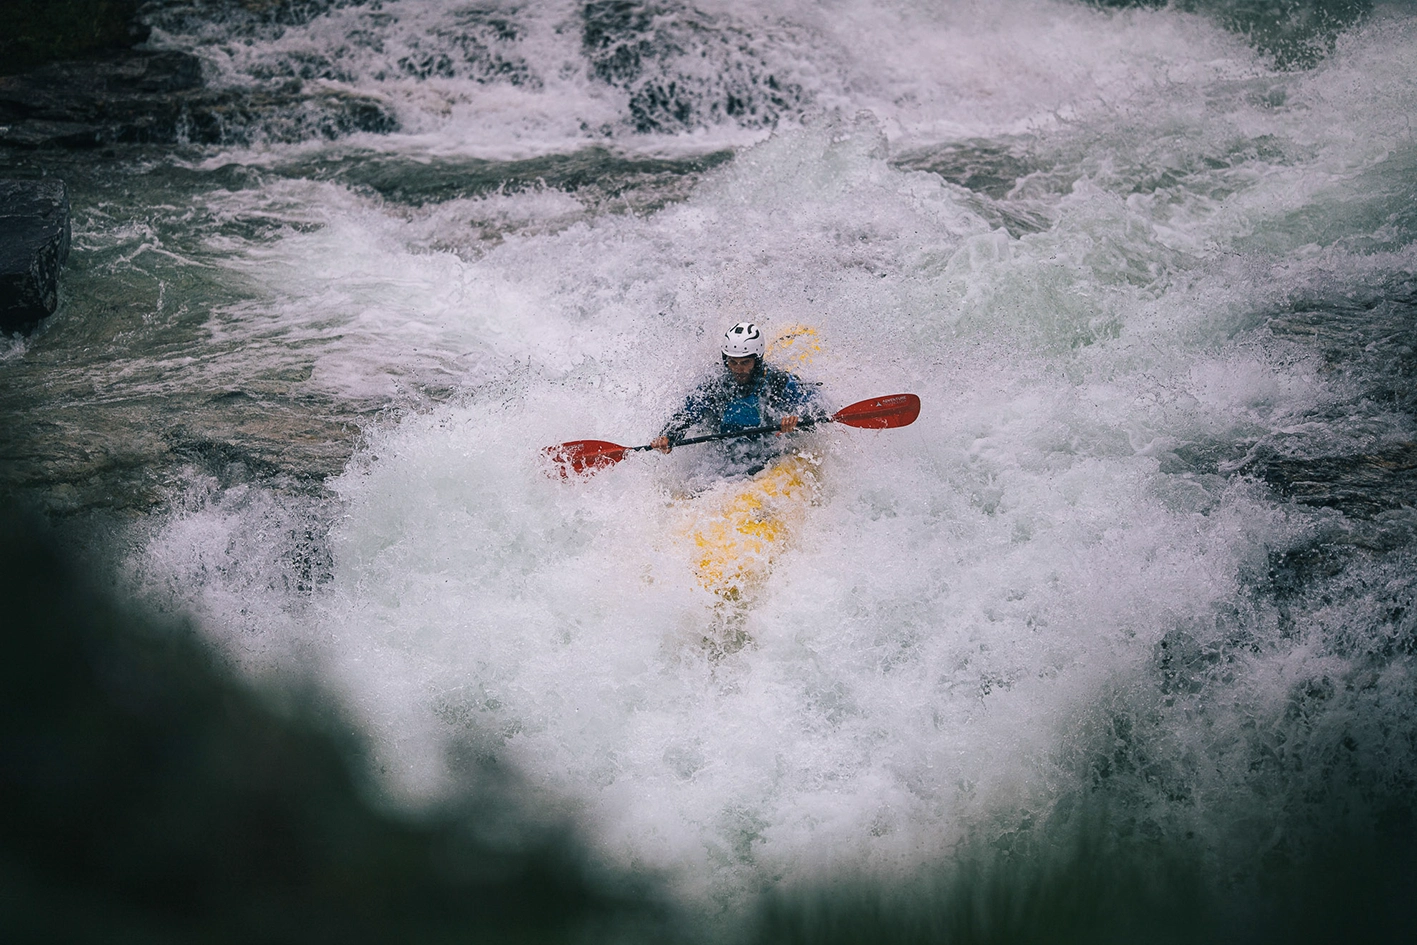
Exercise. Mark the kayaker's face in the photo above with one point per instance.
(741, 368)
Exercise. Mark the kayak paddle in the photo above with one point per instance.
(584, 457)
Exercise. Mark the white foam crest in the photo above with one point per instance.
(344, 287)
(934, 72)
(243, 559)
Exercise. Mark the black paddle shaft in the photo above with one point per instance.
(730, 434)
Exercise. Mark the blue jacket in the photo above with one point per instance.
(722, 404)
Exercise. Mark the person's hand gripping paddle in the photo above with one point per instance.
(585, 457)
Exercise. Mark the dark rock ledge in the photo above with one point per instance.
(124, 97)
(158, 97)
(34, 243)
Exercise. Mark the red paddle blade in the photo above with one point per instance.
(881, 413)
(583, 457)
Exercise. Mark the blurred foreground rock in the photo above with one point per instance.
(34, 243)
(147, 795)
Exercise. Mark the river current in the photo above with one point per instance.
(1149, 545)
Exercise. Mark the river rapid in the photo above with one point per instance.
(1147, 551)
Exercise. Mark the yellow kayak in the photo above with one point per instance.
(738, 529)
(735, 531)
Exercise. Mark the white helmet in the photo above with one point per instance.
(742, 340)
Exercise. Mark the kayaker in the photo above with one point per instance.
(746, 393)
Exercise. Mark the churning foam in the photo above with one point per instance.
(972, 591)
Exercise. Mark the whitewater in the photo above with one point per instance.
(1150, 540)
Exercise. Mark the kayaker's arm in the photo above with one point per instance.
(795, 400)
(699, 407)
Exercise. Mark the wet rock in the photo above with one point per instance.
(595, 175)
(33, 32)
(34, 243)
(293, 111)
(980, 166)
(132, 97)
(987, 169)
(1296, 33)
(158, 97)
(683, 68)
(1369, 335)
(1361, 486)
(263, 18)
